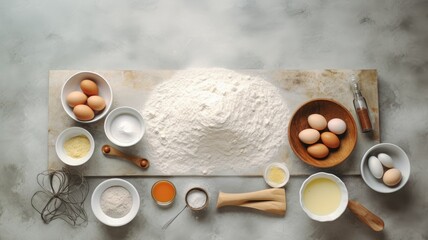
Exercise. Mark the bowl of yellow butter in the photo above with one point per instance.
(74, 146)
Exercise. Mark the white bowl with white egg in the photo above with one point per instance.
(90, 106)
(74, 146)
(124, 126)
(115, 202)
(385, 168)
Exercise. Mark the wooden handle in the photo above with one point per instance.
(367, 217)
(233, 199)
(274, 207)
(269, 200)
(111, 151)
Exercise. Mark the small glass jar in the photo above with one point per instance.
(163, 192)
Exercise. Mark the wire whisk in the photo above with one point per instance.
(63, 196)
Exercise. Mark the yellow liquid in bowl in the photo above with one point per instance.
(322, 196)
(276, 175)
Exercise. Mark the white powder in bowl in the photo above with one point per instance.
(116, 202)
(196, 199)
(202, 119)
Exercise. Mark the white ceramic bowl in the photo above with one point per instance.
(119, 126)
(281, 166)
(401, 162)
(73, 84)
(67, 134)
(343, 202)
(96, 202)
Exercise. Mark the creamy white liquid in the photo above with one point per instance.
(322, 196)
(125, 128)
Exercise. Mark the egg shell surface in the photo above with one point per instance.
(83, 112)
(89, 87)
(392, 177)
(76, 98)
(330, 139)
(386, 160)
(309, 136)
(97, 103)
(337, 126)
(317, 121)
(375, 167)
(318, 150)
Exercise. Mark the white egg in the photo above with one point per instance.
(337, 126)
(386, 160)
(375, 167)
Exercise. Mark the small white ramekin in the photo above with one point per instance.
(67, 134)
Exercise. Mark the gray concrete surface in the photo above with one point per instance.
(37, 36)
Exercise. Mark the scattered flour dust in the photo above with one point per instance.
(204, 120)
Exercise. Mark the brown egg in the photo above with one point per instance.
(89, 87)
(329, 139)
(97, 103)
(83, 112)
(392, 177)
(318, 150)
(76, 98)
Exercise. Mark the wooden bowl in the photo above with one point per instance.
(329, 109)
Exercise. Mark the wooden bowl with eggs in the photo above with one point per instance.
(329, 109)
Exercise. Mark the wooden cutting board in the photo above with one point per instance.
(132, 88)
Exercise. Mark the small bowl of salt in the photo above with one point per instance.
(115, 202)
(124, 126)
(197, 199)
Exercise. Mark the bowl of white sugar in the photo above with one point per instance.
(115, 202)
(124, 126)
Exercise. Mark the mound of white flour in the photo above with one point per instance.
(205, 118)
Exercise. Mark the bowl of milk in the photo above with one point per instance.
(323, 197)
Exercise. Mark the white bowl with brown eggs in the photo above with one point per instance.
(86, 97)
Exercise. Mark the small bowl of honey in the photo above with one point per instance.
(276, 175)
(163, 192)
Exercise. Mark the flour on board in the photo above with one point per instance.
(204, 118)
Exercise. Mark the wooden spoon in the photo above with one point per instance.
(113, 152)
(367, 217)
(269, 200)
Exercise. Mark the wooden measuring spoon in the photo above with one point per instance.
(113, 152)
(269, 200)
(367, 217)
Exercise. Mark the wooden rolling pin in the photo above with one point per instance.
(270, 200)
(113, 152)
